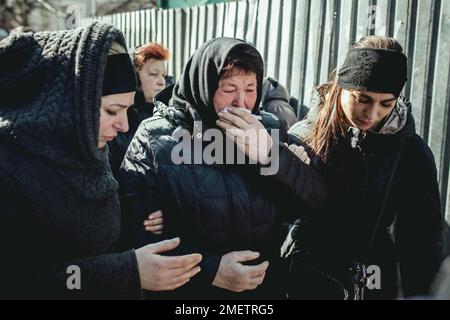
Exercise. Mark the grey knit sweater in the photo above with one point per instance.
(59, 204)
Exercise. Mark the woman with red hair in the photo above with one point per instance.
(150, 65)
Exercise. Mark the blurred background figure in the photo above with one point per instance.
(3, 34)
(275, 99)
(151, 70)
(150, 63)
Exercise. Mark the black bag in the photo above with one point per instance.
(305, 280)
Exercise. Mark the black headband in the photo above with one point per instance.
(119, 76)
(376, 70)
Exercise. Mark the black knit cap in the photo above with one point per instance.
(119, 76)
(376, 70)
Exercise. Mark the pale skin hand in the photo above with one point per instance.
(300, 152)
(234, 276)
(248, 133)
(154, 222)
(162, 273)
(239, 125)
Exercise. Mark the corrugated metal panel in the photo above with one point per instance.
(220, 12)
(440, 107)
(211, 22)
(177, 55)
(302, 41)
(299, 50)
(242, 19)
(274, 36)
(287, 34)
(262, 29)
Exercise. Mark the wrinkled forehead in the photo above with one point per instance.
(238, 74)
(154, 64)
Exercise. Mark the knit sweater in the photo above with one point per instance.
(60, 210)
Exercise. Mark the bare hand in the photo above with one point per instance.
(300, 152)
(154, 223)
(233, 275)
(248, 133)
(159, 273)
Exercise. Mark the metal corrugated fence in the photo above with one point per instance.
(302, 41)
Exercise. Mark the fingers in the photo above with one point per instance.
(253, 276)
(181, 261)
(234, 119)
(242, 113)
(155, 215)
(229, 127)
(247, 255)
(181, 278)
(163, 246)
(176, 272)
(256, 271)
(234, 133)
(155, 226)
(300, 152)
(154, 223)
(257, 281)
(155, 229)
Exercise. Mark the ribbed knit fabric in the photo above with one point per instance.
(59, 202)
(51, 84)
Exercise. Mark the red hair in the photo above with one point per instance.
(149, 51)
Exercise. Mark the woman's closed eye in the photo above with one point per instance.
(362, 100)
(387, 105)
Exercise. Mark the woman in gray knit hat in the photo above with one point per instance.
(64, 95)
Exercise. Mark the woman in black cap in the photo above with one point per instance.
(64, 95)
(382, 185)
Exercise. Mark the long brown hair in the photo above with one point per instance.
(331, 122)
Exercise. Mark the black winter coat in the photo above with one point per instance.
(215, 208)
(136, 113)
(395, 170)
(275, 99)
(60, 214)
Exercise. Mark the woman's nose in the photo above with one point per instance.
(122, 124)
(371, 112)
(239, 100)
(162, 81)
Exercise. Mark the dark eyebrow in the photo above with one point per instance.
(364, 96)
(370, 98)
(389, 100)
